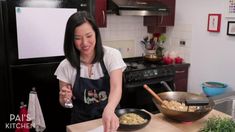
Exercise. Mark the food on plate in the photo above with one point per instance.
(131, 119)
(175, 105)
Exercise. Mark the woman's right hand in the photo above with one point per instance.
(65, 93)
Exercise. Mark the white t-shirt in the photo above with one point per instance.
(112, 61)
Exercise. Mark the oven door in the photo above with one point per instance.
(138, 97)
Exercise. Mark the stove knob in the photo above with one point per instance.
(155, 72)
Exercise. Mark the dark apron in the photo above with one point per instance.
(91, 97)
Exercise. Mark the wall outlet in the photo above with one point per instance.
(182, 42)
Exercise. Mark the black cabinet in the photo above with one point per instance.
(41, 76)
(5, 97)
(181, 76)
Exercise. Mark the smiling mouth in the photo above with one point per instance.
(85, 47)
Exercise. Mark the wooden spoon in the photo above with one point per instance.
(153, 93)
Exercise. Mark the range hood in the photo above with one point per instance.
(138, 8)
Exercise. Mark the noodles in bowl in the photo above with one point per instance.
(177, 106)
(132, 119)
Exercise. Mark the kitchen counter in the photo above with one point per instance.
(158, 122)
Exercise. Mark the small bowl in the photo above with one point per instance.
(125, 127)
(213, 88)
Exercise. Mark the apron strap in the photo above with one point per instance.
(104, 68)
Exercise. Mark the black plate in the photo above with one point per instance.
(139, 112)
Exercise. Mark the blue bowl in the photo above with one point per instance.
(213, 88)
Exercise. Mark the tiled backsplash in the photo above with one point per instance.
(179, 33)
(130, 28)
(126, 47)
(125, 28)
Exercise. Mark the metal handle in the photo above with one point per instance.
(179, 71)
(83, 5)
(161, 20)
(103, 16)
(166, 85)
(174, 87)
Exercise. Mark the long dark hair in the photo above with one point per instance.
(70, 51)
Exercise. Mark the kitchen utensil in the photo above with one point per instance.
(68, 103)
(125, 127)
(196, 102)
(184, 116)
(213, 88)
(189, 102)
(166, 85)
(153, 93)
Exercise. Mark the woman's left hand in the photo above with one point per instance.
(110, 120)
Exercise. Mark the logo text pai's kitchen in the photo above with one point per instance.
(18, 121)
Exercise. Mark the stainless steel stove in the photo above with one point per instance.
(140, 72)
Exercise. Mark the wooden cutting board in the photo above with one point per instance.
(155, 125)
(158, 123)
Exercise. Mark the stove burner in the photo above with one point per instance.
(134, 66)
(139, 71)
(152, 65)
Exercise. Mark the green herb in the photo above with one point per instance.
(162, 38)
(218, 124)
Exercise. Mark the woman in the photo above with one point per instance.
(91, 73)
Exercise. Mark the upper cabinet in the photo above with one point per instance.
(100, 12)
(159, 23)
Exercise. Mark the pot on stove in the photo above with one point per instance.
(152, 56)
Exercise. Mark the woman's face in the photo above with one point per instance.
(84, 39)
